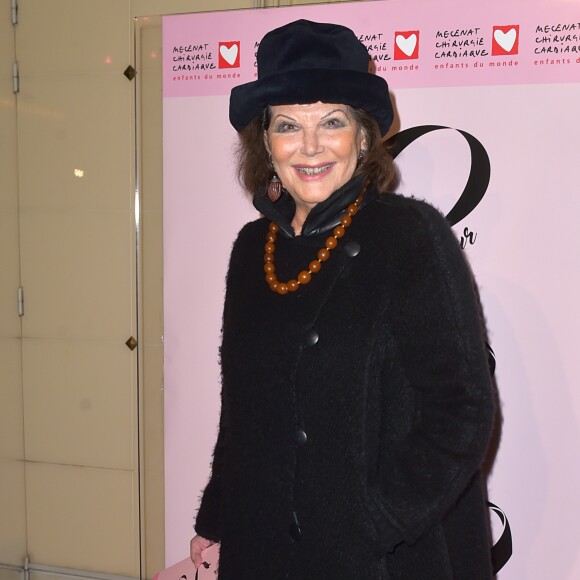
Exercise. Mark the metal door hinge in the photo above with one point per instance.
(14, 11)
(15, 78)
(20, 301)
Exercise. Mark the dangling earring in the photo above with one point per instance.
(274, 185)
(361, 155)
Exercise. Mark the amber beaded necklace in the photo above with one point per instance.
(323, 254)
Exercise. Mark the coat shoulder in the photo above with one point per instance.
(250, 236)
(253, 230)
(414, 222)
(410, 211)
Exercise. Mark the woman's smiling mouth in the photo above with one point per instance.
(307, 171)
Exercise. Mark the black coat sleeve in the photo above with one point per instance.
(209, 516)
(208, 521)
(441, 363)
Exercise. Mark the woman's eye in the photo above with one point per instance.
(333, 123)
(284, 127)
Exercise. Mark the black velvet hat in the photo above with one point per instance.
(306, 62)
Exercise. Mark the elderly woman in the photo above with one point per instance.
(356, 398)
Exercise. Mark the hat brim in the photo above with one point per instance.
(348, 87)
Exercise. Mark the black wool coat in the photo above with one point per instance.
(356, 411)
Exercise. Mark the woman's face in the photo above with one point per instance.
(314, 149)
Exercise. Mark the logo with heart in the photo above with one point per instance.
(229, 54)
(505, 40)
(406, 45)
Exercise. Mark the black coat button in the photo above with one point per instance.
(311, 337)
(295, 531)
(352, 248)
(301, 437)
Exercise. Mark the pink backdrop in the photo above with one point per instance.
(521, 103)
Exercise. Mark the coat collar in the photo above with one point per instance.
(322, 217)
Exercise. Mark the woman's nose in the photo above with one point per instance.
(311, 143)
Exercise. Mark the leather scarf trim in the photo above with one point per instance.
(322, 218)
